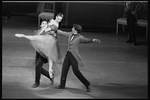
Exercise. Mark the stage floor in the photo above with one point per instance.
(114, 68)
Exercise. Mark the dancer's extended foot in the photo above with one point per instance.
(19, 35)
(52, 79)
(129, 41)
(51, 72)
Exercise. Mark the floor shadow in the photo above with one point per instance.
(141, 43)
(129, 90)
(15, 90)
(48, 89)
(52, 90)
(19, 69)
(80, 91)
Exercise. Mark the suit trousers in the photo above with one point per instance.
(131, 24)
(39, 61)
(70, 60)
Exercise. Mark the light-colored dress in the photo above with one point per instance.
(47, 44)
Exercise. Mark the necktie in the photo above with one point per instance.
(73, 35)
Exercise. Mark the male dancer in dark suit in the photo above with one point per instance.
(131, 10)
(73, 57)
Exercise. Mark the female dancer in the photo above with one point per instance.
(45, 45)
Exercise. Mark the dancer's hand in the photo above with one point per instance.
(19, 35)
(97, 41)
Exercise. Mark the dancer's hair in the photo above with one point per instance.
(78, 28)
(43, 21)
(60, 14)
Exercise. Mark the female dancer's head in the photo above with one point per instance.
(59, 17)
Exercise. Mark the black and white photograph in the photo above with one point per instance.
(74, 49)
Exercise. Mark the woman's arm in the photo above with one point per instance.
(42, 30)
(63, 33)
(51, 28)
(47, 29)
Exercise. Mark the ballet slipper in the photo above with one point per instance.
(50, 73)
(52, 79)
(19, 35)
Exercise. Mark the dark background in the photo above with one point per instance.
(95, 15)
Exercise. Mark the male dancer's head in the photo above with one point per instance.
(43, 24)
(77, 29)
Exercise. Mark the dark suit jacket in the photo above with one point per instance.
(73, 45)
(134, 6)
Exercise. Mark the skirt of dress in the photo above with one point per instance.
(46, 45)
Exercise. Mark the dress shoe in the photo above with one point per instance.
(129, 41)
(88, 88)
(135, 43)
(35, 85)
(60, 87)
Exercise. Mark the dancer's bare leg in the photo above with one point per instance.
(50, 68)
(25, 36)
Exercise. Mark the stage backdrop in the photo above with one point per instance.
(93, 14)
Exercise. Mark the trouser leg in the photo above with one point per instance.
(77, 72)
(129, 26)
(45, 73)
(133, 26)
(37, 55)
(38, 67)
(64, 72)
